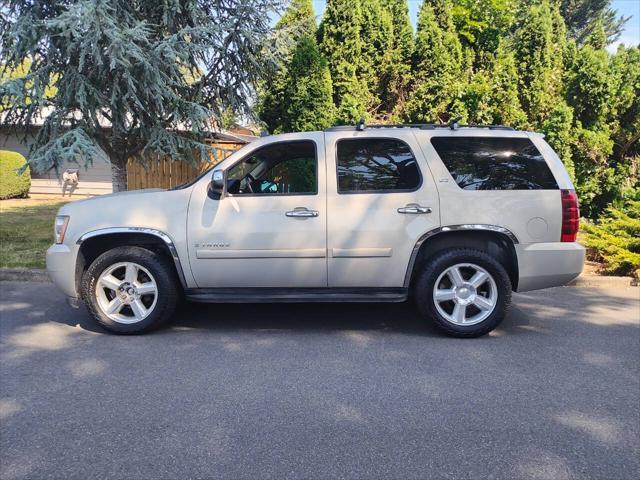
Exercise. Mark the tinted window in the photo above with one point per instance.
(376, 165)
(281, 168)
(483, 163)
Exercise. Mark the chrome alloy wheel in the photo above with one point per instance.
(465, 294)
(126, 292)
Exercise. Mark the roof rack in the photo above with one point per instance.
(453, 125)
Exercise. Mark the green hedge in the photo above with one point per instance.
(13, 185)
(615, 239)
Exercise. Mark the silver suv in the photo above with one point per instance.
(455, 217)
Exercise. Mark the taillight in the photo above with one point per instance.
(570, 216)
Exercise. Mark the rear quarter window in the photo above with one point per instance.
(494, 163)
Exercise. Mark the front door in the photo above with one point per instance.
(381, 199)
(269, 228)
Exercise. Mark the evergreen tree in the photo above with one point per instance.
(600, 89)
(559, 131)
(491, 97)
(589, 86)
(625, 114)
(298, 19)
(309, 93)
(595, 176)
(341, 45)
(160, 73)
(376, 34)
(582, 15)
(539, 47)
(442, 10)
(482, 25)
(297, 22)
(437, 69)
(396, 74)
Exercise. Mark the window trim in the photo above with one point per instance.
(243, 195)
(377, 192)
(496, 189)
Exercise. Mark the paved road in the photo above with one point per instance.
(322, 391)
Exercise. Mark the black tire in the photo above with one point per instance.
(439, 263)
(168, 290)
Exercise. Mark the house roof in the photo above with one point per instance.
(223, 135)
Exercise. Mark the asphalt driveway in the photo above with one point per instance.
(322, 391)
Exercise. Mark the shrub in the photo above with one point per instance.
(13, 185)
(615, 239)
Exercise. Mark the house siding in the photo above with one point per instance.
(94, 180)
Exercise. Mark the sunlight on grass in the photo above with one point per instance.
(26, 231)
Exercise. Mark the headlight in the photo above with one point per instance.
(60, 227)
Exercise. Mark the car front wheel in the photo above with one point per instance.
(465, 292)
(130, 290)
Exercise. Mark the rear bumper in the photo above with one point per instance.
(61, 265)
(544, 265)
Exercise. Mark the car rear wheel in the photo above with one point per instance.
(130, 290)
(465, 292)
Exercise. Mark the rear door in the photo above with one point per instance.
(381, 199)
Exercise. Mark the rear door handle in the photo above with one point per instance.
(301, 212)
(414, 209)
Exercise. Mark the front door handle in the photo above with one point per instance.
(301, 212)
(414, 209)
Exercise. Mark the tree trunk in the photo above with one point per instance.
(119, 174)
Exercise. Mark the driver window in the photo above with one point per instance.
(278, 169)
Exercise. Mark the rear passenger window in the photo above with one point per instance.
(492, 163)
(376, 165)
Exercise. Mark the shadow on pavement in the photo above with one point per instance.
(526, 314)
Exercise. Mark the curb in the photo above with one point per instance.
(603, 281)
(24, 275)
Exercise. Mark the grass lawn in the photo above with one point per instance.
(26, 230)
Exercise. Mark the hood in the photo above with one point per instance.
(150, 208)
(118, 194)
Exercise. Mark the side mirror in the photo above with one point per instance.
(217, 184)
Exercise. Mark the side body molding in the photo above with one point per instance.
(453, 228)
(145, 231)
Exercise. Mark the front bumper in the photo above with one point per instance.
(544, 265)
(61, 265)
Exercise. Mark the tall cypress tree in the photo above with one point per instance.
(396, 73)
(539, 44)
(437, 69)
(491, 97)
(309, 93)
(589, 82)
(376, 34)
(341, 45)
(625, 117)
(297, 22)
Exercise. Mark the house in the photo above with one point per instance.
(96, 179)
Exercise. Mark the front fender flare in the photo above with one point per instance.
(145, 231)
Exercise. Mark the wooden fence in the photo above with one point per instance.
(163, 172)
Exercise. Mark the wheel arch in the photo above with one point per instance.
(96, 242)
(496, 241)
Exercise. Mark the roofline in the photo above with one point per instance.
(222, 136)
